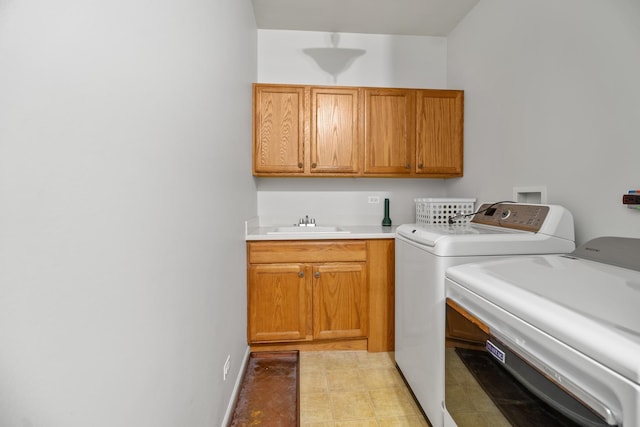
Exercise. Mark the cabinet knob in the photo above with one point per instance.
(408, 166)
(300, 273)
(314, 165)
(300, 165)
(420, 165)
(316, 274)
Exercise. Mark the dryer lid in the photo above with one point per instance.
(619, 251)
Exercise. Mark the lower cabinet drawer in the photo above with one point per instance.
(305, 251)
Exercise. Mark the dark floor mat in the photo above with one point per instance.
(517, 404)
(269, 392)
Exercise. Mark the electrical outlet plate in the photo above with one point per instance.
(227, 365)
(373, 199)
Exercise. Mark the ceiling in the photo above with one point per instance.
(401, 17)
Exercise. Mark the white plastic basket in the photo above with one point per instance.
(439, 210)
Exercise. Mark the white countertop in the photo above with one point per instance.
(254, 232)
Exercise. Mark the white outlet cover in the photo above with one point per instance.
(227, 365)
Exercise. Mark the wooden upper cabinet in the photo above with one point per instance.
(278, 133)
(389, 136)
(335, 131)
(303, 131)
(439, 138)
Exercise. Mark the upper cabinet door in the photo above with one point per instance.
(389, 136)
(279, 113)
(335, 130)
(439, 132)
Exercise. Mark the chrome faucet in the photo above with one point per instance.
(307, 222)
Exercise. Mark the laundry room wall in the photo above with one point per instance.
(388, 61)
(552, 100)
(122, 252)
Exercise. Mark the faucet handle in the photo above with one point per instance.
(307, 222)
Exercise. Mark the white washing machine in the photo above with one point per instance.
(424, 252)
(564, 329)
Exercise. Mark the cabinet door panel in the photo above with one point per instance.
(389, 136)
(340, 297)
(335, 133)
(278, 129)
(279, 302)
(439, 132)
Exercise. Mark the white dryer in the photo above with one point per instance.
(564, 328)
(424, 252)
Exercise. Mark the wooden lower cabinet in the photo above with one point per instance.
(322, 303)
(340, 301)
(279, 302)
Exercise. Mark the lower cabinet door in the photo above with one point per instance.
(279, 301)
(340, 298)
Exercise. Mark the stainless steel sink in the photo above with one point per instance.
(307, 230)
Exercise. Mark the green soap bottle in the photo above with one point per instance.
(386, 221)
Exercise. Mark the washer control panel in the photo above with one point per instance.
(512, 215)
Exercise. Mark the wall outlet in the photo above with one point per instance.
(373, 199)
(227, 365)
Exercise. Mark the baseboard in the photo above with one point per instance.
(236, 389)
(326, 345)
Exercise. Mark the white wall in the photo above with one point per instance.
(389, 61)
(122, 269)
(552, 98)
(333, 203)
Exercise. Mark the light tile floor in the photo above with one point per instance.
(354, 388)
